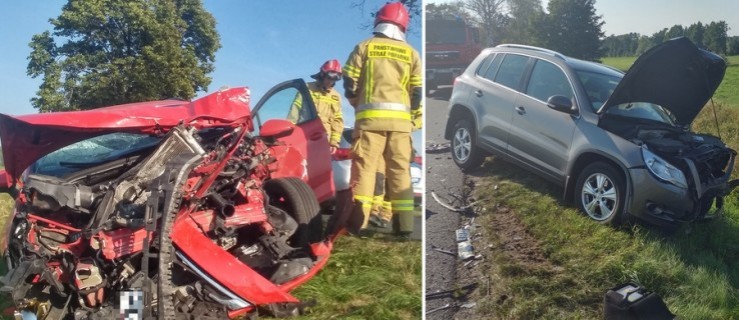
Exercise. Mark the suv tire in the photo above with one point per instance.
(600, 193)
(465, 152)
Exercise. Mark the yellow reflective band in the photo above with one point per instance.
(378, 198)
(363, 199)
(351, 71)
(387, 205)
(389, 51)
(335, 135)
(416, 81)
(394, 202)
(368, 81)
(403, 208)
(392, 114)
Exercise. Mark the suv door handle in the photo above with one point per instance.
(520, 110)
(478, 93)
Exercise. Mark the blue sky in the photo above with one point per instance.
(648, 17)
(263, 43)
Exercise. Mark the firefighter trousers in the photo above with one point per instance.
(395, 149)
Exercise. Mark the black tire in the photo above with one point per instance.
(465, 152)
(298, 200)
(602, 199)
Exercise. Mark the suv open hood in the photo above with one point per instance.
(27, 138)
(676, 75)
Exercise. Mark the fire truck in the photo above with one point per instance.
(451, 45)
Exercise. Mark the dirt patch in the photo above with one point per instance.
(507, 248)
(515, 241)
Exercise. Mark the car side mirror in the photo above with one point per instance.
(561, 104)
(276, 128)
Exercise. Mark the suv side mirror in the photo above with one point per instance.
(276, 128)
(561, 104)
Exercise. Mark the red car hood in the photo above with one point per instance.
(27, 138)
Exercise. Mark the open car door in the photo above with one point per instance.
(291, 100)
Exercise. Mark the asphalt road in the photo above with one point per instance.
(444, 178)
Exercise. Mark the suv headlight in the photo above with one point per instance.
(663, 169)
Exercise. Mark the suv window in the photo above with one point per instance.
(493, 68)
(511, 70)
(548, 80)
(483, 67)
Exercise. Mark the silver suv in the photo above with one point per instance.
(619, 143)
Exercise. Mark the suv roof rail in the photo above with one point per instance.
(521, 46)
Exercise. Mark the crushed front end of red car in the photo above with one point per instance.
(173, 202)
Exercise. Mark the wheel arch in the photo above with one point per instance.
(586, 158)
(457, 112)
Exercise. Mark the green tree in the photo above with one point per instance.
(621, 45)
(107, 52)
(715, 36)
(675, 31)
(695, 33)
(525, 26)
(451, 9)
(574, 29)
(490, 15)
(732, 46)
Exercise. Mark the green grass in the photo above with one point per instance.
(621, 63)
(373, 278)
(727, 93)
(697, 274)
(6, 208)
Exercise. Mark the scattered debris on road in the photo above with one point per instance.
(435, 248)
(449, 207)
(438, 147)
(446, 306)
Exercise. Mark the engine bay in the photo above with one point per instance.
(78, 242)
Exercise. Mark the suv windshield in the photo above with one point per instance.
(92, 152)
(643, 110)
(598, 87)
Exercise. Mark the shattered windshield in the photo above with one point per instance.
(92, 152)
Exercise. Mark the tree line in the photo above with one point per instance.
(572, 27)
(711, 36)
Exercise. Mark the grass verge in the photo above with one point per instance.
(375, 278)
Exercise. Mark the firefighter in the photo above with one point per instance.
(382, 80)
(327, 101)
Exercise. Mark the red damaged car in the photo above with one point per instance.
(202, 209)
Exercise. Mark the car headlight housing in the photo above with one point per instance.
(663, 170)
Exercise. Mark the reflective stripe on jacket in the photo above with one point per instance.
(384, 72)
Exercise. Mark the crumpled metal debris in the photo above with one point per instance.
(438, 147)
(451, 208)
